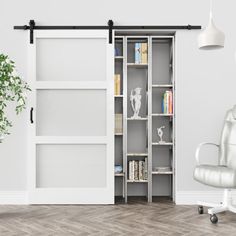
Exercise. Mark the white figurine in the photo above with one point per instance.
(160, 133)
(135, 100)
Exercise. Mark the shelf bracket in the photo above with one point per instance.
(31, 28)
(110, 25)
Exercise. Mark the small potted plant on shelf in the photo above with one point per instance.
(12, 89)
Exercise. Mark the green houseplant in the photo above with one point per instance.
(12, 89)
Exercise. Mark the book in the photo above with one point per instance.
(136, 171)
(137, 57)
(141, 170)
(164, 103)
(170, 102)
(131, 170)
(167, 102)
(118, 123)
(117, 84)
(145, 168)
(144, 53)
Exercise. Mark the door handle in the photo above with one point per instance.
(31, 115)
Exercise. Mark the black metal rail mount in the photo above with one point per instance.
(110, 27)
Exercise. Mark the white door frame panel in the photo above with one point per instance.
(72, 195)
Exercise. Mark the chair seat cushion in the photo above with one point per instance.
(216, 176)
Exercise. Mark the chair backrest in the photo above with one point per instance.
(227, 151)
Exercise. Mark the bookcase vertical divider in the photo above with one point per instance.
(173, 79)
(125, 116)
(149, 119)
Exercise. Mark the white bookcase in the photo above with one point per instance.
(139, 138)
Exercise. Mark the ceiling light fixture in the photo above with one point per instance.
(211, 37)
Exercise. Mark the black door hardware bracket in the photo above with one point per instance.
(31, 27)
(110, 25)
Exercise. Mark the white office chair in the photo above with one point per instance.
(224, 174)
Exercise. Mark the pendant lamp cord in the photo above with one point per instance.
(211, 15)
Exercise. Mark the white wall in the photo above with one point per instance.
(206, 80)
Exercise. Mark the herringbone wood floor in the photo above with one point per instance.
(135, 218)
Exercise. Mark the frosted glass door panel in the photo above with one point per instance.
(71, 59)
(71, 166)
(71, 113)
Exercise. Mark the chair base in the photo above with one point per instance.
(226, 205)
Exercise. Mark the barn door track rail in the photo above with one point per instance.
(110, 27)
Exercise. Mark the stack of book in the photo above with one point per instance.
(167, 102)
(118, 123)
(117, 84)
(141, 53)
(138, 170)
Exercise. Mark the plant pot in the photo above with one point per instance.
(1, 138)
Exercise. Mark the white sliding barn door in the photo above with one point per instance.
(71, 132)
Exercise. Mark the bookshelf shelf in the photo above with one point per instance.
(118, 96)
(119, 174)
(137, 181)
(162, 144)
(132, 119)
(118, 134)
(162, 114)
(137, 154)
(136, 65)
(162, 172)
(162, 86)
(119, 57)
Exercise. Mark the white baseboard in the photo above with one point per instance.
(191, 197)
(13, 197)
(182, 197)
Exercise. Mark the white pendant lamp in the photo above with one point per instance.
(211, 37)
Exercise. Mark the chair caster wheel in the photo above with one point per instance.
(213, 219)
(200, 210)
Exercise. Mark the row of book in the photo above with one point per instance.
(138, 170)
(141, 53)
(118, 123)
(117, 82)
(167, 102)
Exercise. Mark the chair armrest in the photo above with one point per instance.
(199, 148)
